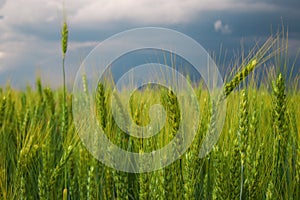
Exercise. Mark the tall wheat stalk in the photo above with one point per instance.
(243, 136)
(280, 129)
(64, 125)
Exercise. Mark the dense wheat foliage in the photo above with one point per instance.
(256, 157)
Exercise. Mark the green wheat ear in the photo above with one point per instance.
(280, 129)
(64, 38)
(262, 55)
(65, 194)
(229, 87)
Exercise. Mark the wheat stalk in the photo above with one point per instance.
(243, 135)
(281, 135)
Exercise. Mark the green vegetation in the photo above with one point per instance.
(257, 155)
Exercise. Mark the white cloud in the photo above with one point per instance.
(82, 12)
(220, 27)
(2, 2)
(152, 11)
(142, 11)
(30, 12)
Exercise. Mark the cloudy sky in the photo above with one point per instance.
(30, 29)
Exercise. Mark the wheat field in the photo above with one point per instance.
(256, 157)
